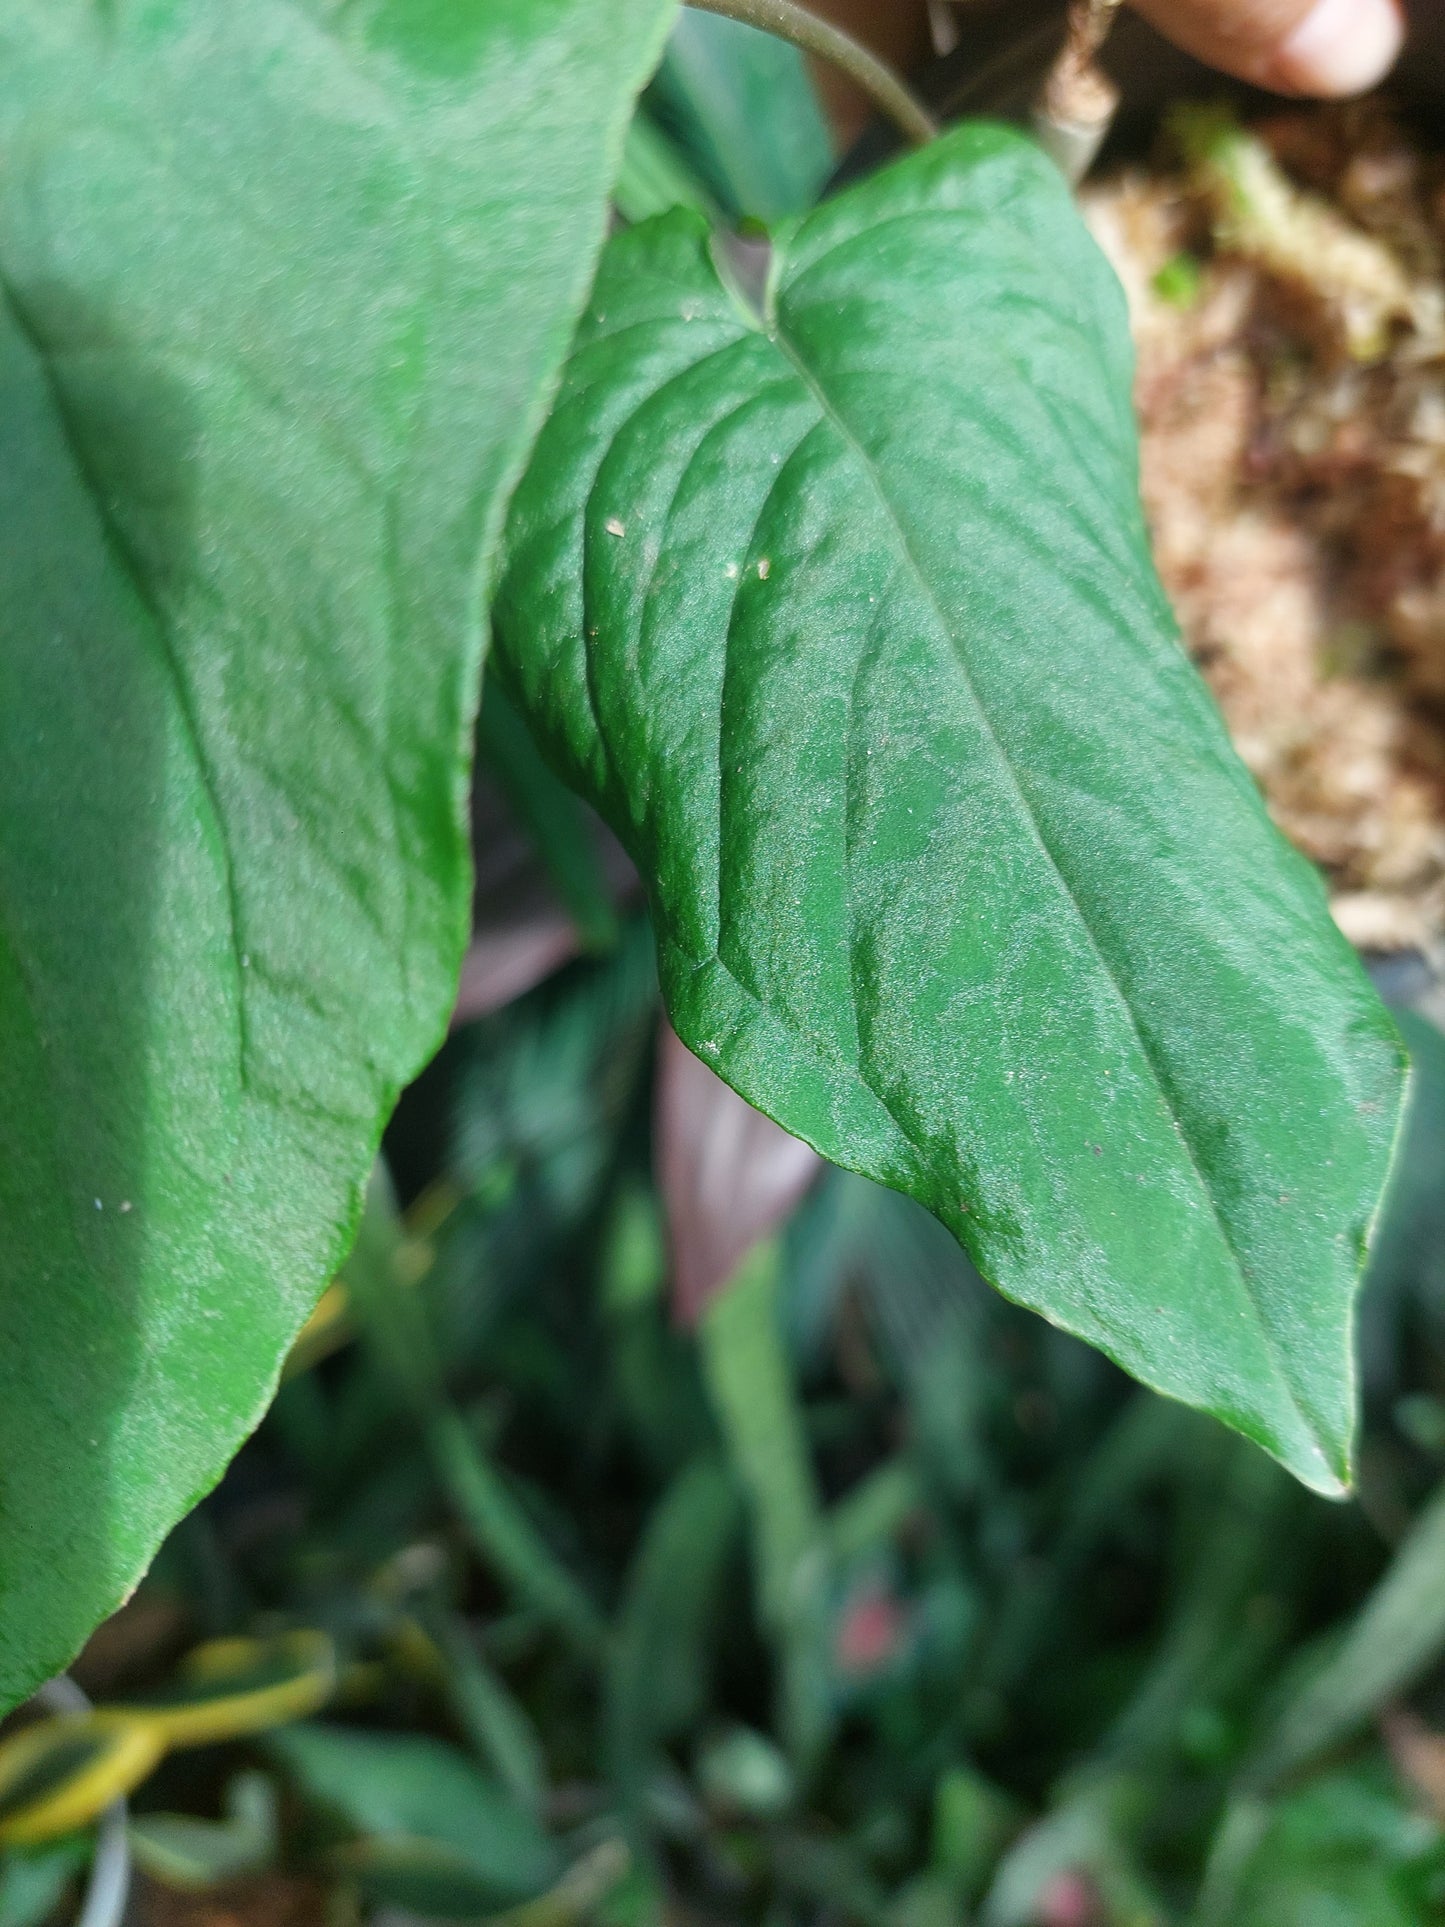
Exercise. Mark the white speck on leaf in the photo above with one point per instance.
(614, 527)
(764, 569)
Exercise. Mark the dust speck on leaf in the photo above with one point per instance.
(765, 568)
(614, 527)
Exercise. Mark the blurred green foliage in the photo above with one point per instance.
(1006, 1639)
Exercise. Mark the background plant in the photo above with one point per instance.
(747, 517)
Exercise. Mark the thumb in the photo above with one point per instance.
(1293, 46)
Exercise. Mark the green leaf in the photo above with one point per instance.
(429, 1817)
(33, 1883)
(283, 286)
(654, 176)
(844, 615)
(486, 1710)
(758, 1409)
(182, 1851)
(658, 1671)
(742, 106)
(1344, 1852)
(1396, 1635)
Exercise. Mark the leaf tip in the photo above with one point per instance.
(1321, 1458)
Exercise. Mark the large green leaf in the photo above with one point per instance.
(283, 287)
(844, 615)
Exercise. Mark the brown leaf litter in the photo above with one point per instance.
(1286, 286)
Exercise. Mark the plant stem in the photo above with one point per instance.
(793, 23)
(1076, 108)
(749, 1379)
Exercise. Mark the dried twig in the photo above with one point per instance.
(1078, 101)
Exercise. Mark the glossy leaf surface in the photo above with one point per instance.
(844, 614)
(283, 287)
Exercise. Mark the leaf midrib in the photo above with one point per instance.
(773, 326)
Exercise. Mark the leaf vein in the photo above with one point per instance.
(1029, 816)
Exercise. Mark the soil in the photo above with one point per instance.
(1286, 285)
(270, 1900)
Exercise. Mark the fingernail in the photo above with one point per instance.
(1341, 47)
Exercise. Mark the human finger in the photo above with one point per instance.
(1325, 47)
